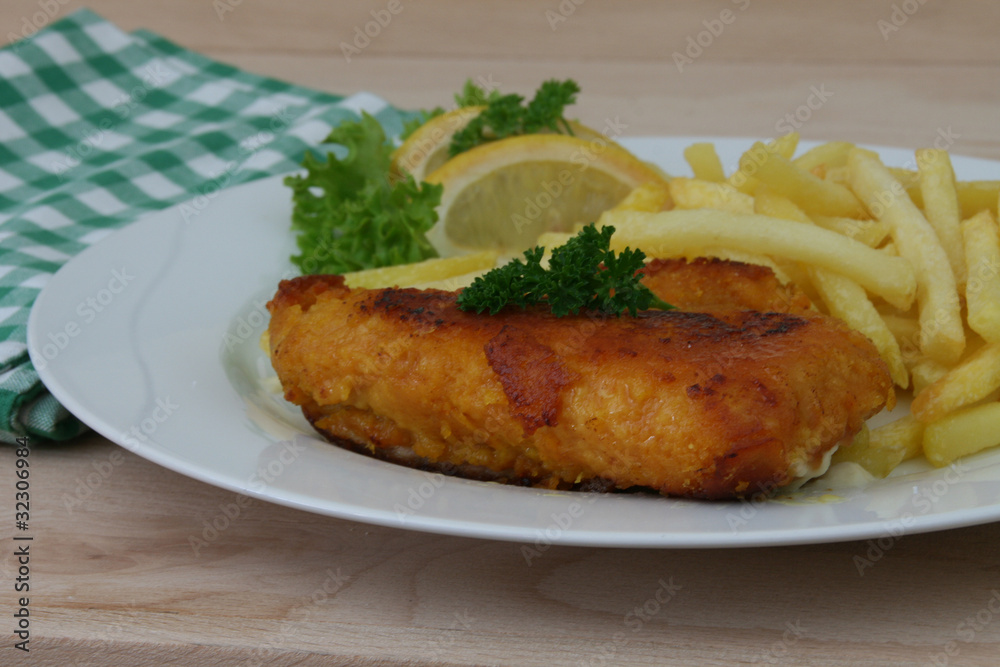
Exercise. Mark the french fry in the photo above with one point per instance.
(785, 145)
(976, 196)
(743, 179)
(902, 436)
(926, 372)
(940, 199)
(818, 172)
(767, 202)
(829, 155)
(905, 329)
(982, 291)
(910, 180)
(678, 232)
(973, 196)
(843, 297)
(811, 194)
(965, 432)
(690, 193)
(870, 232)
(971, 380)
(885, 447)
(705, 162)
(640, 200)
(838, 175)
(405, 275)
(847, 300)
(942, 335)
(799, 275)
(452, 283)
(650, 196)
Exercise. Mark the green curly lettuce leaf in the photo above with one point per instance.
(349, 215)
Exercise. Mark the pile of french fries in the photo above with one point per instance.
(910, 258)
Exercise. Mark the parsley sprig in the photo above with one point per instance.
(583, 274)
(507, 116)
(471, 95)
(350, 215)
(504, 115)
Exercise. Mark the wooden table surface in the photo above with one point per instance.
(114, 576)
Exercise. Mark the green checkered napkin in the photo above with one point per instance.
(99, 126)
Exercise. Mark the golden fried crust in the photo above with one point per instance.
(704, 404)
(709, 283)
(532, 375)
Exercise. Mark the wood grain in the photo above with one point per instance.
(127, 568)
(773, 31)
(118, 580)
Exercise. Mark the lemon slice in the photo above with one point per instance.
(427, 148)
(502, 195)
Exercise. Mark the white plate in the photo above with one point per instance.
(151, 338)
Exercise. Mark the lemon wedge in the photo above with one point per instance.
(502, 195)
